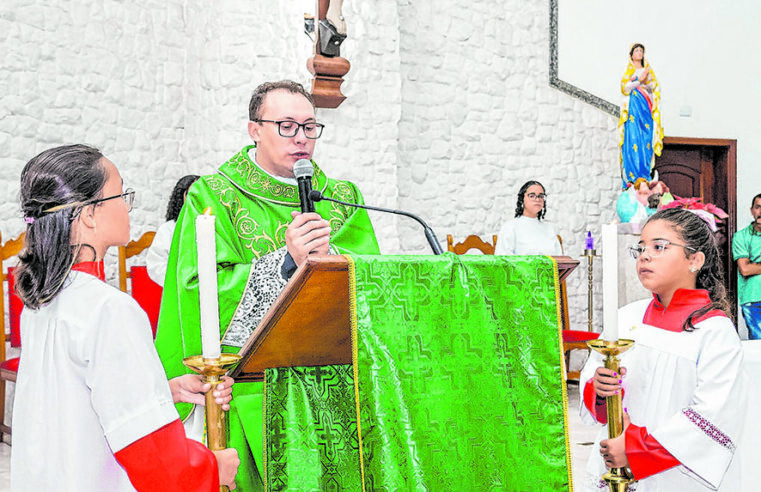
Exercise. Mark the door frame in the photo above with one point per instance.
(731, 168)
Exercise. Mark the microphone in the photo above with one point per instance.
(303, 171)
(316, 196)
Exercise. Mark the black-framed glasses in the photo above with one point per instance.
(656, 248)
(288, 128)
(128, 197)
(534, 196)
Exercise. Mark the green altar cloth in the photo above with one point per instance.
(456, 384)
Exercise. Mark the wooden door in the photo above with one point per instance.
(706, 168)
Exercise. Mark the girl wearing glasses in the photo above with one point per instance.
(682, 382)
(526, 234)
(93, 410)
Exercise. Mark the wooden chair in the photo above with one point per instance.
(8, 367)
(145, 291)
(471, 242)
(131, 249)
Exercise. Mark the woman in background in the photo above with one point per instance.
(155, 259)
(526, 234)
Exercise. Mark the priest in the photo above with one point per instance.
(262, 237)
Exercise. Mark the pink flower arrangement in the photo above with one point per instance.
(707, 211)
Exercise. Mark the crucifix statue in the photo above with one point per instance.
(326, 65)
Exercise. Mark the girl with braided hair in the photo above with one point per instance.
(526, 234)
(682, 382)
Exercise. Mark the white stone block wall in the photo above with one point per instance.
(479, 119)
(449, 109)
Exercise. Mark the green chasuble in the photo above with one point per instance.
(252, 211)
(456, 384)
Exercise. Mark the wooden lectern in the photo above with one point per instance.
(309, 325)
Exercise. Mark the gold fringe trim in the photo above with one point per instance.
(353, 318)
(264, 433)
(562, 378)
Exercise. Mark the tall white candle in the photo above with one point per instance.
(610, 280)
(207, 285)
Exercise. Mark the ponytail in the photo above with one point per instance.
(54, 186)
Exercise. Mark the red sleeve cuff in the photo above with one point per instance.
(599, 410)
(166, 460)
(645, 454)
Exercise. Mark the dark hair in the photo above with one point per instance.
(634, 47)
(521, 192)
(177, 199)
(696, 234)
(257, 98)
(753, 202)
(66, 177)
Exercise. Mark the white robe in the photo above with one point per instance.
(158, 254)
(89, 384)
(526, 236)
(689, 390)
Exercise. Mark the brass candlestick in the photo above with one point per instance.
(590, 255)
(212, 371)
(618, 479)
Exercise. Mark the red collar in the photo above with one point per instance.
(683, 304)
(94, 268)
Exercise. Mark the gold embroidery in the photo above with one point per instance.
(339, 214)
(251, 233)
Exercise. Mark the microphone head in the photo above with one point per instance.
(303, 169)
(315, 195)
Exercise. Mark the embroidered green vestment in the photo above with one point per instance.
(253, 211)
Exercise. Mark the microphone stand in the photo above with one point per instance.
(316, 196)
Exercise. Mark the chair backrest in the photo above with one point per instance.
(147, 293)
(560, 240)
(471, 242)
(8, 250)
(131, 249)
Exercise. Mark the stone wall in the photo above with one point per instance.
(449, 109)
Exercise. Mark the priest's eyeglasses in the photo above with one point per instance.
(288, 129)
(128, 197)
(534, 196)
(655, 249)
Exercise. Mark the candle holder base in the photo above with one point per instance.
(618, 479)
(212, 371)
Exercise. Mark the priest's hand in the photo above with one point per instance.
(613, 451)
(191, 389)
(307, 234)
(227, 463)
(606, 382)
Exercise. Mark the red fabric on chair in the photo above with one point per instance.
(579, 336)
(147, 293)
(15, 305)
(10, 364)
(9, 369)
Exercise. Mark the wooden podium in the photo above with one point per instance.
(309, 325)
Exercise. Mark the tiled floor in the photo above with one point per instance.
(581, 437)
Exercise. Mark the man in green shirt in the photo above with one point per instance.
(262, 237)
(746, 249)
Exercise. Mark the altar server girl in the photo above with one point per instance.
(93, 410)
(682, 382)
